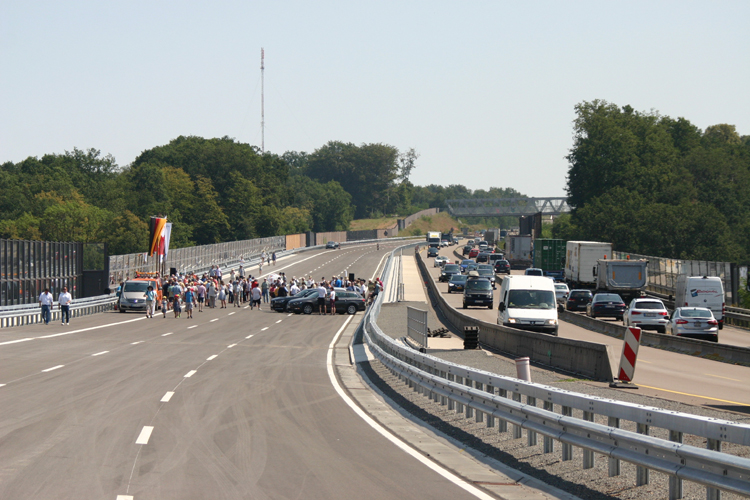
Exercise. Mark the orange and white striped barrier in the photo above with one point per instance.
(629, 356)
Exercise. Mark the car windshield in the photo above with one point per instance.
(562, 288)
(485, 272)
(531, 299)
(478, 285)
(450, 268)
(534, 272)
(695, 313)
(643, 304)
(467, 262)
(580, 293)
(135, 286)
(458, 278)
(607, 297)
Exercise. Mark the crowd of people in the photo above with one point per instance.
(188, 292)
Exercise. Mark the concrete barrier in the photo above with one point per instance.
(589, 359)
(702, 348)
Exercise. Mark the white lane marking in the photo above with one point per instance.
(167, 397)
(215, 319)
(386, 433)
(92, 328)
(212, 357)
(16, 341)
(139, 342)
(170, 333)
(249, 337)
(288, 315)
(124, 497)
(279, 321)
(100, 353)
(190, 373)
(264, 329)
(145, 434)
(2, 385)
(244, 308)
(232, 313)
(53, 368)
(194, 326)
(725, 378)
(230, 346)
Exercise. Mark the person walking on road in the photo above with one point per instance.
(255, 297)
(264, 289)
(273, 256)
(201, 293)
(189, 299)
(64, 300)
(150, 302)
(46, 300)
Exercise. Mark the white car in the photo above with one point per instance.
(647, 314)
(440, 260)
(561, 292)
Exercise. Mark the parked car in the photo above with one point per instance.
(489, 274)
(457, 283)
(502, 266)
(440, 260)
(473, 253)
(333, 244)
(279, 304)
(448, 271)
(478, 292)
(578, 299)
(346, 302)
(647, 314)
(466, 249)
(533, 271)
(695, 323)
(608, 305)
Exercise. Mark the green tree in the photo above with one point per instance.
(212, 225)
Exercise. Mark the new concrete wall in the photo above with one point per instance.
(589, 359)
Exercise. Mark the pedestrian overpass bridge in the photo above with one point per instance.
(507, 207)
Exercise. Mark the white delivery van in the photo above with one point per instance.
(528, 303)
(701, 291)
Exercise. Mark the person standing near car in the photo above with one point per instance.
(64, 300)
(150, 301)
(321, 298)
(45, 301)
(333, 301)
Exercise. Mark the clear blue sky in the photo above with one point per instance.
(484, 91)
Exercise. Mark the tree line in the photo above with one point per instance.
(213, 190)
(656, 185)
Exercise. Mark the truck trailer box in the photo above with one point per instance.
(581, 260)
(623, 276)
(549, 254)
(518, 250)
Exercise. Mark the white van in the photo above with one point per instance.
(528, 303)
(701, 291)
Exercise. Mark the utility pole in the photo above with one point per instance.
(262, 104)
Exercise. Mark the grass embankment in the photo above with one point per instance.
(363, 224)
(442, 222)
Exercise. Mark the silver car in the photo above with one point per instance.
(694, 323)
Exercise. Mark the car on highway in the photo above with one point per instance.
(444, 243)
(457, 283)
(578, 299)
(487, 273)
(472, 266)
(694, 323)
(533, 271)
(502, 266)
(561, 294)
(478, 292)
(466, 249)
(483, 257)
(448, 271)
(279, 304)
(440, 260)
(607, 305)
(333, 244)
(494, 257)
(346, 302)
(465, 263)
(133, 294)
(647, 314)
(432, 252)
(473, 253)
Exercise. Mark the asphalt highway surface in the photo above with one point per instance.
(233, 404)
(660, 373)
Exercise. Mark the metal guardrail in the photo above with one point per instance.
(28, 314)
(492, 399)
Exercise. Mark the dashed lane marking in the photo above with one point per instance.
(190, 373)
(167, 397)
(100, 353)
(264, 329)
(212, 357)
(230, 346)
(165, 334)
(194, 326)
(279, 321)
(53, 368)
(215, 319)
(249, 337)
(232, 312)
(145, 434)
(138, 342)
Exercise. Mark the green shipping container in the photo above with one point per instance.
(549, 255)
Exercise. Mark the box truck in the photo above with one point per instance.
(581, 261)
(433, 238)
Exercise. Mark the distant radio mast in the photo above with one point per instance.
(262, 104)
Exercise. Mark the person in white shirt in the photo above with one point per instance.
(294, 290)
(46, 300)
(321, 298)
(64, 300)
(333, 301)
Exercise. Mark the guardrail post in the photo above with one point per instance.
(459, 406)
(517, 429)
(502, 425)
(641, 473)
(490, 417)
(531, 435)
(549, 443)
(469, 410)
(588, 455)
(713, 493)
(675, 483)
(479, 416)
(567, 449)
(614, 463)
(451, 403)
